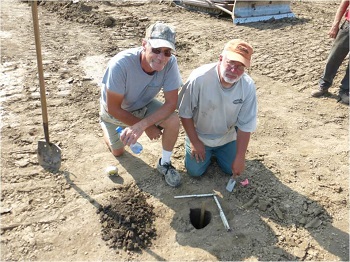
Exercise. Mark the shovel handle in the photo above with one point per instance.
(40, 70)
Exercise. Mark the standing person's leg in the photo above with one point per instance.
(344, 87)
(194, 168)
(338, 52)
(225, 155)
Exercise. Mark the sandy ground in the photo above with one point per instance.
(296, 206)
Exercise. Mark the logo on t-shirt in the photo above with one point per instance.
(237, 101)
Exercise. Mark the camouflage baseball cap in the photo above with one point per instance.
(161, 35)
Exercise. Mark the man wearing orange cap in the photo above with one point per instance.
(218, 110)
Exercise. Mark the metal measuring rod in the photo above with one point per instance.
(197, 195)
(222, 215)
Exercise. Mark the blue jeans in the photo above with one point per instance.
(339, 51)
(224, 154)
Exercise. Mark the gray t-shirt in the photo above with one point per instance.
(216, 110)
(125, 76)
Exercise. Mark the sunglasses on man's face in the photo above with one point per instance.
(157, 51)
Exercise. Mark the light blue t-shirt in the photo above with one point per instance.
(125, 76)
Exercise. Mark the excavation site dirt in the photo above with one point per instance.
(295, 207)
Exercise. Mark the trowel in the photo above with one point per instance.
(231, 185)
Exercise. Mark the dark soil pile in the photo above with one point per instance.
(127, 221)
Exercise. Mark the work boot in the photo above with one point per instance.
(344, 96)
(320, 92)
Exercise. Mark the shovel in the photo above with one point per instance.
(49, 154)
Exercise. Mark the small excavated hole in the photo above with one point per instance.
(197, 221)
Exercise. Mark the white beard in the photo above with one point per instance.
(227, 79)
(230, 80)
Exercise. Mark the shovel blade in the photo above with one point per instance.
(230, 185)
(49, 155)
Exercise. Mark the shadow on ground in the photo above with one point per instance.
(255, 213)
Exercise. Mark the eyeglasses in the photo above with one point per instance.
(233, 64)
(157, 51)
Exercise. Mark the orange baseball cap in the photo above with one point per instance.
(239, 50)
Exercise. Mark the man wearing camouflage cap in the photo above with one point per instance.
(132, 80)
